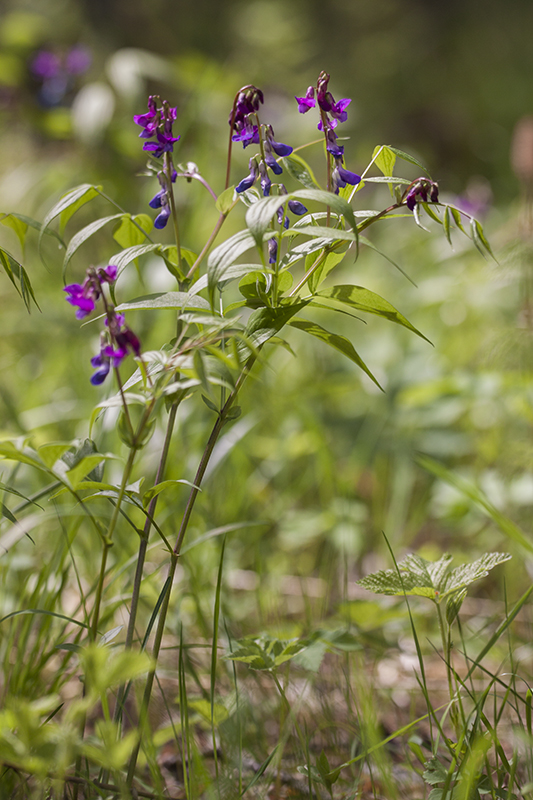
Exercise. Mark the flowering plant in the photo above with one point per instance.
(293, 239)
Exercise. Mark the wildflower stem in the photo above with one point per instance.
(108, 543)
(207, 246)
(200, 472)
(167, 164)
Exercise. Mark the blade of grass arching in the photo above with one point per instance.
(214, 653)
(186, 750)
(500, 630)
(237, 707)
(264, 766)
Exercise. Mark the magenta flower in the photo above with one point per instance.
(110, 356)
(307, 102)
(46, 65)
(86, 294)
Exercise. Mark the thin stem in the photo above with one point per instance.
(108, 542)
(200, 472)
(143, 544)
(196, 175)
(113, 203)
(207, 246)
(167, 166)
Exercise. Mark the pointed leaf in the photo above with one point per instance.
(334, 340)
(406, 157)
(125, 257)
(466, 574)
(446, 224)
(300, 171)
(225, 255)
(82, 235)
(365, 300)
(266, 322)
(128, 233)
(170, 300)
(17, 224)
(226, 200)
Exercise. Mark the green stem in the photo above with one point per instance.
(143, 544)
(108, 542)
(200, 472)
(167, 166)
(207, 246)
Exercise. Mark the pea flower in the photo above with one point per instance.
(420, 189)
(307, 102)
(248, 182)
(85, 295)
(108, 356)
(157, 122)
(241, 117)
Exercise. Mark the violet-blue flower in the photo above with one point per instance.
(164, 144)
(307, 102)
(271, 162)
(163, 216)
(266, 183)
(278, 147)
(272, 251)
(249, 181)
(297, 208)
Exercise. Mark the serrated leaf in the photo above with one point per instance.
(169, 300)
(340, 343)
(466, 574)
(217, 712)
(83, 235)
(226, 200)
(300, 171)
(434, 772)
(364, 300)
(127, 233)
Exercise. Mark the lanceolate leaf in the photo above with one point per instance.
(70, 203)
(266, 322)
(410, 159)
(18, 277)
(175, 300)
(324, 233)
(85, 233)
(365, 300)
(125, 257)
(340, 343)
(300, 170)
(225, 255)
(259, 215)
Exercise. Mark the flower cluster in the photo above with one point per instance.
(421, 189)
(331, 113)
(156, 125)
(119, 340)
(242, 114)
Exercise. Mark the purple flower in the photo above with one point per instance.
(77, 297)
(285, 221)
(165, 144)
(272, 251)
(279, 148)
(336, 150)
(266, 183)
(248, 182)
(420, 189)
(46, 65)
(108, 356)
(163, 217)
(297, 208)
(102, 364)
(338, 109)
(307, 102)
(271, 162)
(248, 102)
(247, 134)
(342, 176)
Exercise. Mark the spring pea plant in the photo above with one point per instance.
(296, 231)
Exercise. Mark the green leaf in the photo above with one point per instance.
(70, 203)
(17, 224)
(84, 467)
(125, 257)
(169, 300)
(225, 255)
(414, 576)
(259, 215)
(384, 158)
(466, 574)
(334, 340)
(300, 171)
(83, 235)
(23, 455)
(406, 157)
(429, 211)
(329, 263)
(453, 605)
(364, 300)
(479, 238)
(324, 233)
(266, 322)
(160, 487)
(372, 246)
(50, 453)
(446, 224)
(456, 214)
(127, 233)
(18, 277)
(226, 200)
